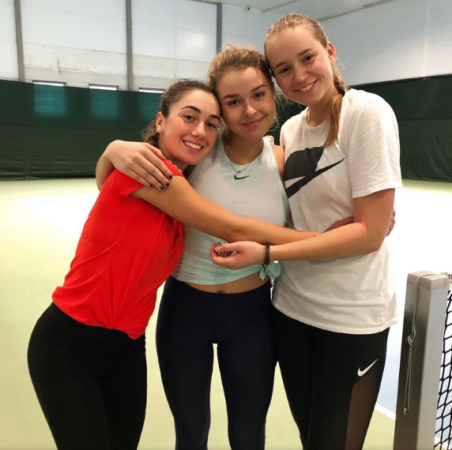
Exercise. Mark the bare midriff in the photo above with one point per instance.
(234, 287)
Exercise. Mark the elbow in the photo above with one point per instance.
(374, 243)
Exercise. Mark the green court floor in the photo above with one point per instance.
(40, 222)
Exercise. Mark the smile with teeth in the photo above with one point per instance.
(306, 88)
(193, 145)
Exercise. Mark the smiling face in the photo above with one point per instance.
(247, 102)
(301, 65)
(190, 130)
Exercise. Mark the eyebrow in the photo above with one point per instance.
(194, 108)
(299, 54)
(252, 90)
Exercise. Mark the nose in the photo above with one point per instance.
(249, 109)
(301, 73)
(200, 130)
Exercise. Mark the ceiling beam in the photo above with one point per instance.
(19, 40)
(219, 27)
(129, 45)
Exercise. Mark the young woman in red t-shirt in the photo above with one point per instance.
(87, 351)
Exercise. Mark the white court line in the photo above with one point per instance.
(385, 411)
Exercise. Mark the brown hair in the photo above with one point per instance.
(172, 95)
(293, 21)
(239, 58)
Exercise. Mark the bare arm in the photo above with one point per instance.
(104, 168)
(138, 160)
(372, 218)
(366, 235)
(183, 203)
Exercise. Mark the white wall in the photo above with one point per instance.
(78, 42)
(396, 40)
(8, 48)
(84, 41)
(172, 39)
(246, 27)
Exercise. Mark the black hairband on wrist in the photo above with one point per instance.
(267, 261)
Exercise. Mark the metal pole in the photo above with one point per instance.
(420, 362)
(129, 45)
(19, 39)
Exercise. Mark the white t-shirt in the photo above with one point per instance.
(354, 295)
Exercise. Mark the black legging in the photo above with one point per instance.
(189, 323)
(331, 380)
(90, 381)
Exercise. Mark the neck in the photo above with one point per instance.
(242, 151)
(166, 153)
(319, 112)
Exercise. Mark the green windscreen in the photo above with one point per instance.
(50, 132)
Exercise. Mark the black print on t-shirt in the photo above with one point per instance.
(303, 163)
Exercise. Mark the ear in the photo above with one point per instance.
(159, 122)
(331, 53)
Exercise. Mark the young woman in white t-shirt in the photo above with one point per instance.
(335, 299)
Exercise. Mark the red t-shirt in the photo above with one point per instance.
(127, 249)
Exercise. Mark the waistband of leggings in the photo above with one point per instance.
(260, 292)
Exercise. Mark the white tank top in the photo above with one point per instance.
(256, 192)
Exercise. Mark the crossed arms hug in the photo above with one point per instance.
(373, 220)
(183, 203)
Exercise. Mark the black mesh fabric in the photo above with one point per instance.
(443, 430)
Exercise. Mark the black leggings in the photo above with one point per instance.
(189, 323)
(331, 381)
(90, 382)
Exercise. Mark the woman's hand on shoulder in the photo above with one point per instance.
(140, 161)
(237, 255)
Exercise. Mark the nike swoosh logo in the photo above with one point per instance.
(361, 373)
(294, 188)
(240, 178)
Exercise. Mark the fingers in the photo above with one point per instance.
(155, 157)
(140, 165)
(155, 150)
(138, 173)
(219, 257)
(138, 177)
(225, 248)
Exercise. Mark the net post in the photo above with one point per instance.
(419, 373)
